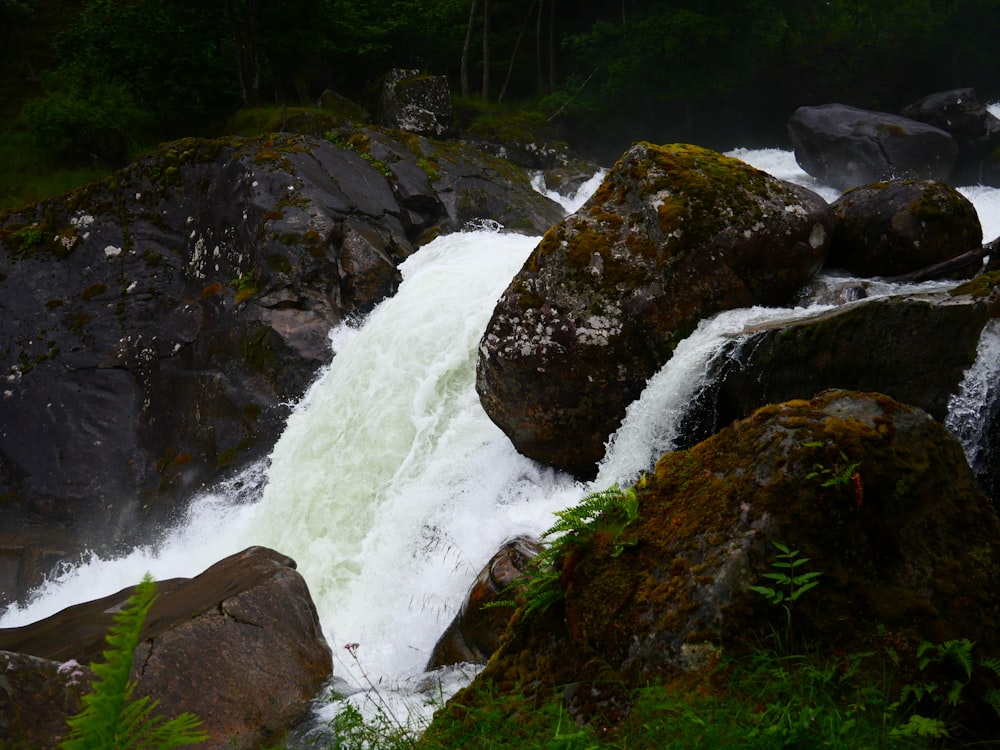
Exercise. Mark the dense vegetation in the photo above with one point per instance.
(87, 83)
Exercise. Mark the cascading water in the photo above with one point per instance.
(967, 419)
(390, 486)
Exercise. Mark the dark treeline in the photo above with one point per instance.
(716, 72)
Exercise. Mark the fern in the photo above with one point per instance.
(110, 719)
(613, 509)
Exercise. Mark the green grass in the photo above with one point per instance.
(765, 702)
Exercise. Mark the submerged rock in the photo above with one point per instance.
(239, 645)
(876, 494)
(673, 234)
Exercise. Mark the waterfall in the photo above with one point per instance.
(391, 488)
(390, 478)
(968, 413)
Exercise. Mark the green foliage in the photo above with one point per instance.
(78, 122)
(949, 668)
(610, 511)
(790, 583)
(111, 719)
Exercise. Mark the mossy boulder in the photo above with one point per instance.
(914, 348)
(673, 234)
(876, 494)
(895, 228)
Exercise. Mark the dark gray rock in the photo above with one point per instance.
(844, 146)
(975, 129)
(155, 326)
(414, 101)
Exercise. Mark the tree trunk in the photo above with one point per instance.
(486, 50)
(247, 56)
(465, 50)
(539, 52)
(513, 55)
(552, 45)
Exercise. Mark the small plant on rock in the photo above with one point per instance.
(790, 584)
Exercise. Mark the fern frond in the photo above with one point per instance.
(110, 719)
(991, 663)
(960, 651)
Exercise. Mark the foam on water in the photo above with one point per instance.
(390, 486)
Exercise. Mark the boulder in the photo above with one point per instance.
(895, 228)
(673, 234)
(158, 323)
(239, 645)
(975, 129)
(844, 146)
(475, 632)
(913, 348)
(414, 101)
(877, 495)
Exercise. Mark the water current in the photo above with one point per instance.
(390, 486)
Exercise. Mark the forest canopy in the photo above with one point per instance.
(111, 74)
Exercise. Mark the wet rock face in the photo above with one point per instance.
(156, 325)
(845, 146)
(894, 228)
(877, 494)
(240, 646)
(673, 234)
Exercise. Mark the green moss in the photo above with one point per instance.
(983, 285)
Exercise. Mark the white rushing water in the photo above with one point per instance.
(390, 487)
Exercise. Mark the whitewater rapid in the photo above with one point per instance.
(390, 486)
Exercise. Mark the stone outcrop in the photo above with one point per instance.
(157, 324)
(845, 146)
(240, 646)
(475, 632)
(906, 544)
(895, 228)
(673, 234)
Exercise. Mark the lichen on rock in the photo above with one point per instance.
(673, 234)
